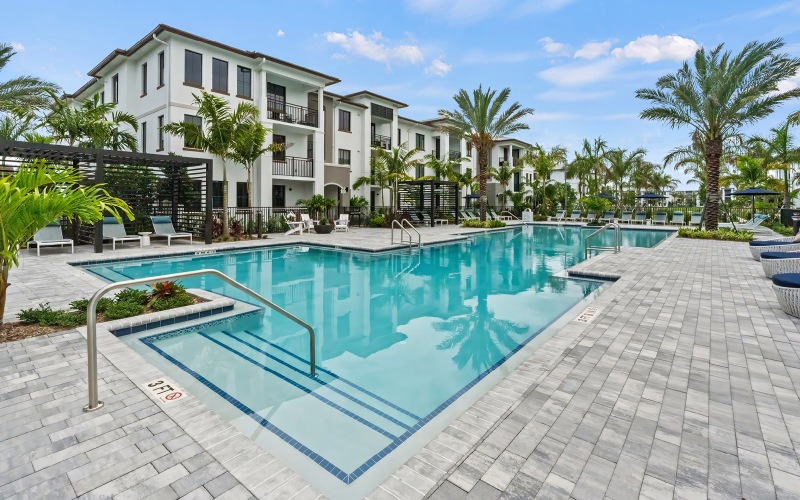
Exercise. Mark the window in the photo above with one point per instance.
(219, 75)
(244, 83)
(421, 142)
(344, 121)
(161, 69)
(115, 89)
(144, 79)
(161, 133)
(103, 97)
(276, 96)
(517, 182)
(399, 137)
(241, 195)
(344, 157)
(420, 170)
(279, 155)
(143, 128)
(216, 194)
(197, 121)
(193, 69)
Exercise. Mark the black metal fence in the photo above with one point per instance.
(293, 166)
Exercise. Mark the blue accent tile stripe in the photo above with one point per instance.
(120, 332)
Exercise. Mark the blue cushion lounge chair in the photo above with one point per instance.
(590, 217)
(575, 217)
(677, 218)
(787, 289)
(626, 217)
(163, 228)
(114, 230)
(780, 262)
(697, 217)
(661, 218)
(50, 236)
(608, 216)
(560, 214)
(777, 245)
(640, 218)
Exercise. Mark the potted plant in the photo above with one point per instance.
(323, 226)
(318, 206)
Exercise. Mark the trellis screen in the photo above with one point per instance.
(429, 200)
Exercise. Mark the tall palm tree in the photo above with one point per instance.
(780, 154)
(719, 94)
(92, 125)
(397, 162)
(248, 147)
(221, 125)
(503, 175)
(481, 120)
(590, 161)
(442, 168)
(749, 173)
(23, 93)
(621, 164)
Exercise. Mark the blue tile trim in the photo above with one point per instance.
(120, 332)
(337, 377)
(303, 388)
(321, 382)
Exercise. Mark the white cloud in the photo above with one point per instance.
(18, 47)
(593, 50)
(280, 33)
(653, 48)
(460, 11)
(789, 83)
(552, 47)
(438, 68)
(373, 47)
(572, 95)
(580, 74)
(542, 6)
(545, 116)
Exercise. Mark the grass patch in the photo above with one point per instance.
(487, 224)
(723, 234)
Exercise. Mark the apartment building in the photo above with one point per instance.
(328, 136)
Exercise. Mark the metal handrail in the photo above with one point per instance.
(511, 214)
(405, 222)
(617, 240)
(91, 321)
(403, 230)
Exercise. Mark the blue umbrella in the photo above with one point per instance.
(606, 196)
(651, 196)
(755, 191)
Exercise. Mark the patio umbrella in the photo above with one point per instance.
(755, 191)
(606, 196)
(651, 196)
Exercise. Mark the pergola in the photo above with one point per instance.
(437, 199)
(151, 184)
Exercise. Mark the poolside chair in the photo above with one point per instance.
(163, 228)
(753, 224)
(661, 218)
(575, 216)
(697, 218)
(473, 214)
(677, 218)
(341, 223)
(590, 217)
(560, 214)
(50, 236)
(780, 262)
(626, 217)
(608, 216)
(465, 215)
(426, 218)
(787, 290)
(308, 222)
(414, 216)
(114, 230)
(641, 217)
(758, 247)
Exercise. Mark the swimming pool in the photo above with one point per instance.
(400, 337)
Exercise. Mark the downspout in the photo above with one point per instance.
(258, 174)
(168, 83)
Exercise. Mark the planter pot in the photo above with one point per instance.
(323, 228)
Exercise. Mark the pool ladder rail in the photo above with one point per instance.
(91, 321)
(404, 226)
(617, 240)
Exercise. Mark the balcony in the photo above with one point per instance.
(292, 166)
(379, 111)
(291, 113)
(454, 155)
(381, 141)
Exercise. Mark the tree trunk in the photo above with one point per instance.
(787, 203)
(226, 230)
(713, 155)
(483, 166)
(249, 189)
(5, 265)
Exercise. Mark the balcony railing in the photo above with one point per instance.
(291, 113)
(454, 155)
(381, 141)
(293, 166)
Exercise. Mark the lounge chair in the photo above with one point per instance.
(753, 224)
(415, 220)
(787, 290)
(465, 215)
(641, 217)
(500, 217)
(50, 236)
(608, 216)
(114, 230)
(473, 214)
(341, 223)
(308, 222)
(575, 217)
(426, 219)
(759, 247)
(590, 217)
(626, 217)
(780, 262)
(163, 228)
(661, 218)
(677, 218)
(697, 219)
(560, 214)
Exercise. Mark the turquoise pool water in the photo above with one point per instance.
(400, 335)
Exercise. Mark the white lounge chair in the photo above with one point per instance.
(753, 224)
(560, 214)
(641, 217)
(626, 217)
(575, 217)
(295, 227)
(163, 228)
(341, 223)
(608, 216)
(661, 218)
(114, 230)
(697, 218)
(677, 218)
(307, 221)
(50, 236)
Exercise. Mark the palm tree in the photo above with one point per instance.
(544, 163)
(92, 125)
(378, 176)
(590, 161)
(23, 93)
(248, 147)
(16, 125)
(721, 93)
(443, 168)
(621, 164)
(481, 121)
(217, 136)
(35, 196)
(503, 176)
(749, 173)
(397, 162)
(781, 154)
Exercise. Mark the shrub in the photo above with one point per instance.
(277, 224)
(779, 228)
(377, 221)
(596, 204)
(180, 300)
(132, 295)
(723, 234)
(46, 316)
(83, 304)
(483, 224)
(119, 310)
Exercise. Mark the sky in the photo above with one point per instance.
(576, 62)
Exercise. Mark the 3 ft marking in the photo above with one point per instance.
(165, 391)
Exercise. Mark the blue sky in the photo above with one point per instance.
(576, 62)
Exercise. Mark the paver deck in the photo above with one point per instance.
(683, 384)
